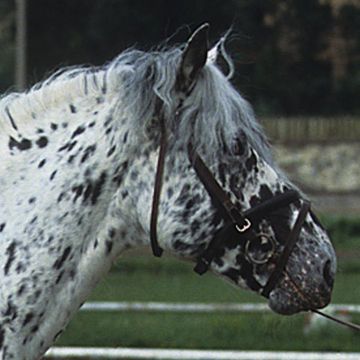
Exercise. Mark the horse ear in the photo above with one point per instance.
(213, 54)
(218, 56)
(193, 58)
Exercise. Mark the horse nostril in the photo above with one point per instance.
(328, 274)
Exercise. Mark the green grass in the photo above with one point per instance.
(345, 235)
(144, 278)
(344, 231)
(211, 331)
(140, 277)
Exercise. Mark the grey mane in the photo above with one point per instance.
(213, 116)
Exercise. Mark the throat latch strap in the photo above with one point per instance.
(156, 249)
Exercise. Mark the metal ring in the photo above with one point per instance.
(268, 255)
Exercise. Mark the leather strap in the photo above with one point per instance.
(291, 241)
(253, 215)
(156, 249)
(241, 221)
(214, 189)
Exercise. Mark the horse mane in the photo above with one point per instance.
(58, 90)
(214, 116)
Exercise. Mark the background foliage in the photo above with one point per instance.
(292, 57)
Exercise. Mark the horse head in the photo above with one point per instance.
(235, 213)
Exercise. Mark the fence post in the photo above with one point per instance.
(20, 57)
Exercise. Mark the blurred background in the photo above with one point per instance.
(298, 63)
(293, 57)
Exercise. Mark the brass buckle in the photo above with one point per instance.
(243, 228)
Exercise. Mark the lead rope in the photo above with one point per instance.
(348, 324)
(339, 321)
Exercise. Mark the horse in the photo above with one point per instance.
(154, 149)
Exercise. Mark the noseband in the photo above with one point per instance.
(236, 221)
(243, 222)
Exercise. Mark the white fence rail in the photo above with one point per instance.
(197, 307)
(177, 354)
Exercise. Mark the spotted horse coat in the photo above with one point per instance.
(77, 168)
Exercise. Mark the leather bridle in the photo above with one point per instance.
(241, 222)
(235, 221)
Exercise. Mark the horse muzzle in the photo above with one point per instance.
(305, 288)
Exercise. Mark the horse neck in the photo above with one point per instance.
(63, 165)
(66, 163)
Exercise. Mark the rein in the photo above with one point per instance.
(242, 222)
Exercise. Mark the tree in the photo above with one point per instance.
(280, 47)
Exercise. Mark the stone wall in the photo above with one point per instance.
(330, 168)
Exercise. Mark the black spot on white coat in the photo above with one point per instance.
(22, 145)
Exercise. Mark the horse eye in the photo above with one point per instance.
(260, 249)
